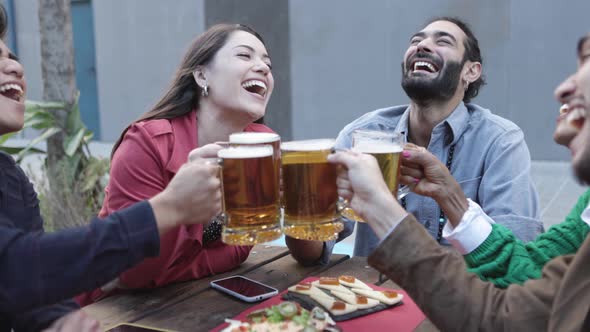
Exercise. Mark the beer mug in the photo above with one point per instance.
(386, 147)
(251, 138)
(310, 194)
(250, 195)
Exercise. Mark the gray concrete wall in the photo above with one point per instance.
(270, 18)
(28, 43)
(346, 55)
(334, 59)
(139, 44)
(541, 53)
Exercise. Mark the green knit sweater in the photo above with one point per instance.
(503, 260)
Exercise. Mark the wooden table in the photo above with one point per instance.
(194, 306)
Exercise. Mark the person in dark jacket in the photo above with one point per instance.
(41, 271)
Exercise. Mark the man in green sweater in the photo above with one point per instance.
(490, 250)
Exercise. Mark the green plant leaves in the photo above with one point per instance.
(76, 131)
(94, 171)
(43, 137)
(39, 119)
(81, 177)
(71, 168)
(5, 137)
(88, 136)
(32, 105)
(74, 121)
(72, 142)
(17, 150)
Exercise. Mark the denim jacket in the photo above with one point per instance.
(491, 162)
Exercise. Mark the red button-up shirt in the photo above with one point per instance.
(149, 156)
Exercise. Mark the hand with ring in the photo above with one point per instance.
(428, 176)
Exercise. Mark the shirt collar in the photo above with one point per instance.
(184, 131)
(402, 124)
(457, 122)
(586, 215)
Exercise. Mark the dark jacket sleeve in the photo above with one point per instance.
(40, 318)
(41, 269)
(456, 300)
(27, 217)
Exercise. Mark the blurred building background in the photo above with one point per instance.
(333, 60)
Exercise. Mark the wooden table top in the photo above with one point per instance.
(194, 306)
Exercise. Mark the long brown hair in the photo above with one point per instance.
(183, 93)
(3, 21)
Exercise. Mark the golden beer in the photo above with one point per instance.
(310, 192)
(386, 148)
(388, 158)
(251, 138)
(250, 194)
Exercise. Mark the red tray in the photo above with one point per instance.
(401, 318)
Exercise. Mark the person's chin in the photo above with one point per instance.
(563, 135)
(11, 127)
(581, 170)
(580, 159)
(255, 112)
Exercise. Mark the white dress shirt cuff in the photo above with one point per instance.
(472, 231)
(586, 215)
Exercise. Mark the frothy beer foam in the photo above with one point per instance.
(253, 138)
(242, 152)
(377, 147)
(308, 145)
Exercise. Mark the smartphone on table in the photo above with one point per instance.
(244, 289)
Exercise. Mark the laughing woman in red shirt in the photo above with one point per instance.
(222, 86)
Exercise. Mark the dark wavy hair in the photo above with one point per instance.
(581, 42)
(472, 53)
(3, 21)
(182, 96)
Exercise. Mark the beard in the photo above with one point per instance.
(582, 172)
(581, 163)
(422, 89)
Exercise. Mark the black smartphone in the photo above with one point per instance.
(244, 289)
(129, 327)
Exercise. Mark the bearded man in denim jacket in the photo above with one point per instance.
(487, 154)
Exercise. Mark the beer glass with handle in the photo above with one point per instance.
(386, 147)
(310, 192)
(250, 194)
(251, 138)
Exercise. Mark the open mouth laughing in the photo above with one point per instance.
(12, 91)
(424, 66)
(576, 116)
(256, 87)
(423, 63)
